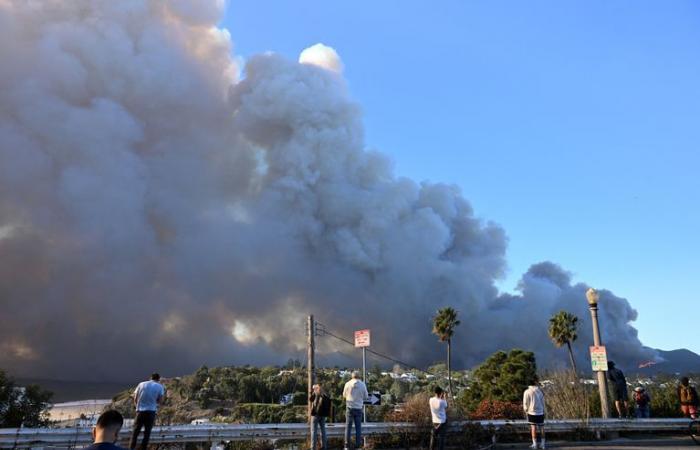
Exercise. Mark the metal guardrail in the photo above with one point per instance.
(82, 436)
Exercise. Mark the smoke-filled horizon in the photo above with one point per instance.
(162, 207)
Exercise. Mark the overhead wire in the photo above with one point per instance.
(322, 330)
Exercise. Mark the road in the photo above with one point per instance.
(666, 443)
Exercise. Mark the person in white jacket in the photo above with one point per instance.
(354, 393)
(533, 405)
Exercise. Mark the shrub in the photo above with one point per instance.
(415, 410)
(497, 409)
(664, 400)
(566, 397)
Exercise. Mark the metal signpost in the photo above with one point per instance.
(362, 341)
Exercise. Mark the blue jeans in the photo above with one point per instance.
(318, 422)
(353, 415)
(643, 412)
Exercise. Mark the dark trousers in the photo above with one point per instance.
(437, 436)
(145, 420)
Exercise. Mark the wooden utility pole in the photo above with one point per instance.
(310, 332)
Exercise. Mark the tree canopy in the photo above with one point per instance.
(562, 328)
(444, 323)
(22, 406)
(503, 376)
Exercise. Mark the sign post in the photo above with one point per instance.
(362, 339)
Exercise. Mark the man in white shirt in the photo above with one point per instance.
(354, 393)
(147, 396)
(533, 405)
(438, 411)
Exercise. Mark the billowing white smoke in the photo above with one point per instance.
(156, 211)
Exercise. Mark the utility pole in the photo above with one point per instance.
(310, 345)
(364, 379)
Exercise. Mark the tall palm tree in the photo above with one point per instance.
(562, 330)
(444, 324)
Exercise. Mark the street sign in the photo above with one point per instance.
(361, 338)
(599, 358)
(375, 398)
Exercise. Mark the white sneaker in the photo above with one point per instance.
(533, 446)
(542, 445)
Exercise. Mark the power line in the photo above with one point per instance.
(321, 330)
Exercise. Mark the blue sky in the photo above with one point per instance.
(574, 125)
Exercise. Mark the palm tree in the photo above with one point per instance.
(444, 324)
(562, 330)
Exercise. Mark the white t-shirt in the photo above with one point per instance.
(438, 409)
(147, 394)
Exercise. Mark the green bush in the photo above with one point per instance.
(502, 377)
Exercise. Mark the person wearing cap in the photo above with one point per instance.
(641, 401)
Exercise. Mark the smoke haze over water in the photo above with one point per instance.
(160, 211)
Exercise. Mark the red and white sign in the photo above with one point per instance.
(599, 359)
(362, 338)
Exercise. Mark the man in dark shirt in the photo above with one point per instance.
(320, 409)
(106, 431)
(619, 387)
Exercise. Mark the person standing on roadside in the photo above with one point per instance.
(147, 396)
(641, 400)
(320, 410)
(533, 405)
(688, 397)
(354, 393)
(619, 388)
(438, 411)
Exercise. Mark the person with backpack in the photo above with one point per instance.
(642, 401)
(688, 397)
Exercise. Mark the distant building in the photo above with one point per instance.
(287, 399)
(200, 421)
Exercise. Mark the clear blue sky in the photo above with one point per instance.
(574, 125)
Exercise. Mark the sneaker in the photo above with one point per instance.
(542, 445)
(533, 446)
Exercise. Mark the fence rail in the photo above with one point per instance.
(81, 436)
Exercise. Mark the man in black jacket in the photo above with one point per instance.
(320, 409)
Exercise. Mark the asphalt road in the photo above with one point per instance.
(667, 443)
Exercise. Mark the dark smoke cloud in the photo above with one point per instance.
(159, 211)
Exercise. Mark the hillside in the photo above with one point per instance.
(680, 361)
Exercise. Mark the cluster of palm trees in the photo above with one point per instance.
(562, 330)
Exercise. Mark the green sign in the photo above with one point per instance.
(599, 358)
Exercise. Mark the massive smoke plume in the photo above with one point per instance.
(160, 210)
